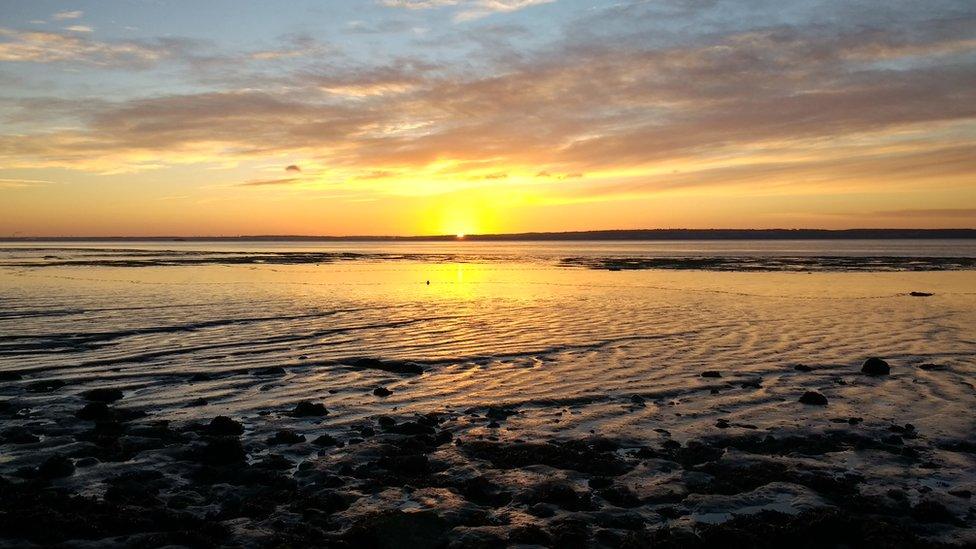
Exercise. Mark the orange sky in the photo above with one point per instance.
(471, 116)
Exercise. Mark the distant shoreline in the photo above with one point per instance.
(607, 235)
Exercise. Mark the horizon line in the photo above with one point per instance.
(598, 234)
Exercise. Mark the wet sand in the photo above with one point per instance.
(298, 405)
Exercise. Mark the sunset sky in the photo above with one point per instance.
(153, 117)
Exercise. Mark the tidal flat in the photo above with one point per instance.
(444, 395)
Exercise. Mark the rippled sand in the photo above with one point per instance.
(515, 353)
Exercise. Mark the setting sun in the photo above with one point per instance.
(113, 125)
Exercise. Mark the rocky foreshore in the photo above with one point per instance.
(460, 478)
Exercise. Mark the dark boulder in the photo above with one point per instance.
(224, 426)
(529, 534)
(499, 414)
(221, 451)
(813, 398)
(99, 411)
(18, 435)
(558, 493)
(308, 409)
(56, 466)
(286, 436)
(875, 366)
(269, 371)
(275, 462)
(105, 395)
(394, 528)
(570, 532)
(406, 368)
(382, 392)
(620, 496)
(711, 373)
(325, 441)
(932, 511)
(45, 386)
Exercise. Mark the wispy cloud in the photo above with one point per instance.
(770, 108)
(269, 182)
(467, 9)
(53, 47)
(69, 14)
(931, 212)
(8, 183)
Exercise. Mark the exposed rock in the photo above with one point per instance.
(558, 493)
(394, 529)
(920, 294)
(224, 426)
(99, 411)
(802, 368)
(105, 395)
(570, 532)
(620, 496)
(397, 367)
(45, 386)
(499, 414)
(813, 398)
(875, 366)
(932, 511)
(275, 462)
(473, 538)
(269, 371)
(18, 435)
(325, 441)
(484, 492)
(308, 409)
(587, 456)
(711, 373)
(56, 466)
(220, 451)
(382, 392)
(286, 436)
(529, 534)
